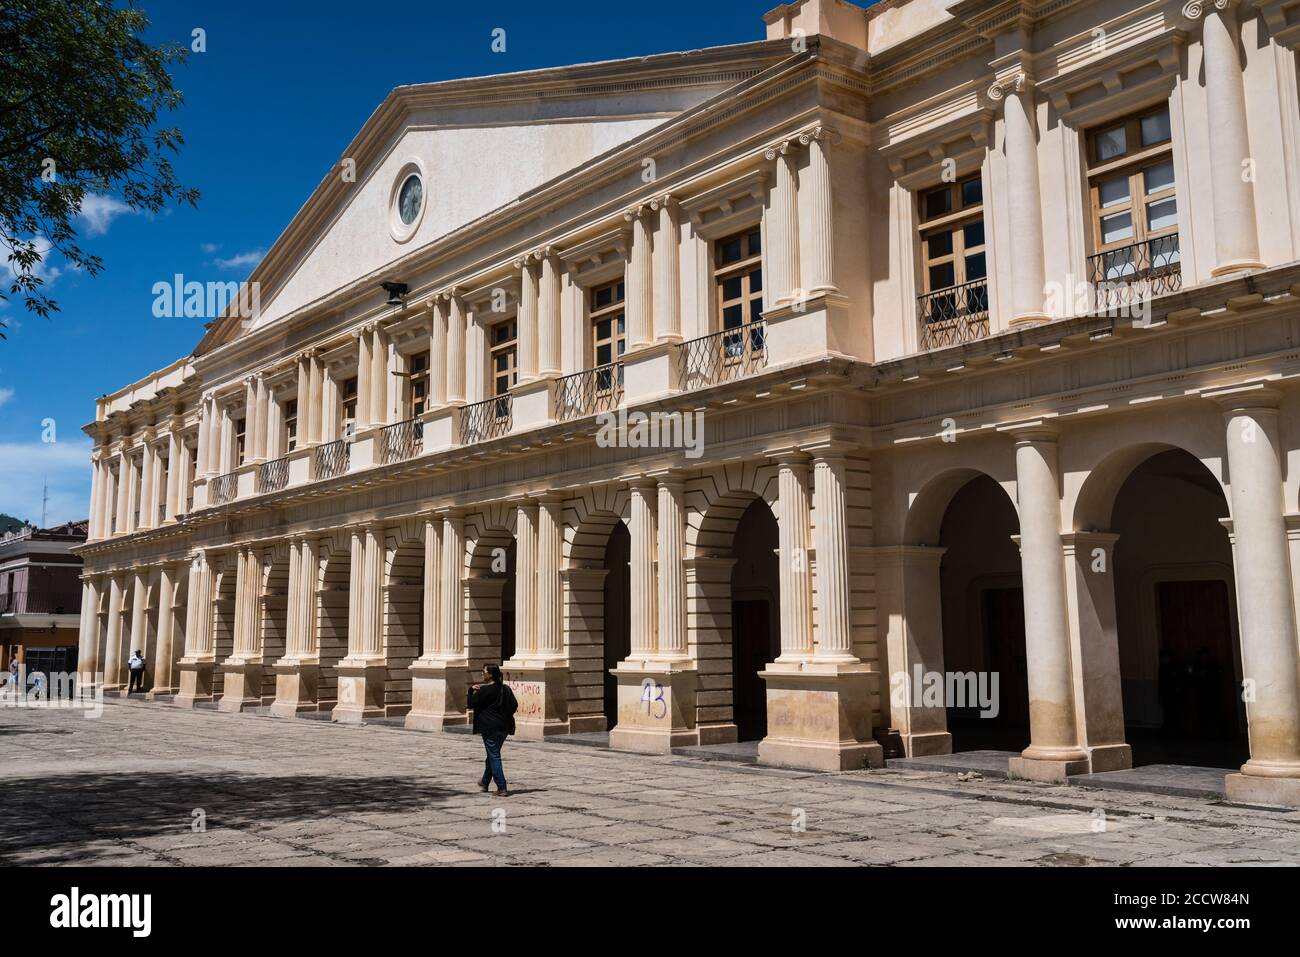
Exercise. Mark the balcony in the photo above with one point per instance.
(223, 488)
(1135, 273)
(724, 356)
(589, 392)
(401, 441)
(273, 475)
(489, 419)
(46, 600)
(955, 315)
(332, 459)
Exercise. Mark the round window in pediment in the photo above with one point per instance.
(409, 199)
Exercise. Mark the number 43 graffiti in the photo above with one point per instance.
(652, 694)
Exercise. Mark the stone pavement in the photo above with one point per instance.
(127, 787)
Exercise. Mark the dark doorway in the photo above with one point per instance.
(755, 617)
(1180, 657)
(618, 613)
(508, 607)
(983, 620)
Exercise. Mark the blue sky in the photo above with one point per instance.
(279, 93)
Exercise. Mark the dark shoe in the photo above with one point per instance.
(483, 788)
(502, 794)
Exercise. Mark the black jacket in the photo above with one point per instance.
(494, 709)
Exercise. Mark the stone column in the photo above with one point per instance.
(365, 372)
(1025, 207)
(1054, 751)
(380, 407)
(439, 677)
(113, 660)
(437, 352)
(667, 269)
(527, 319)
(1236, 233)
(643, 596)
(1270, 657)
(671, 543)
(175, 472)
(96, 496)
(550, 544)
(265, 421)
(198, 663)
(815, 194)
(148, 488)
(455, 349)
(88, 660)
(164, 678)
(205, 442)
(831, 544)
(783, 226)
(315, 405)
(795, 579)
(243, 670)
(640, 282)
(526, 628)
(297, 674)
(123, 523)
(362, 674)
(548, 315)
(252, 419)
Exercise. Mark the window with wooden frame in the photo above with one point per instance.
(290, 425)
(608, 331)
(1133, 200)
(241, 436)
(348, 403)
(503, 358)
(418, 370)
(954, 255)
(738, 278)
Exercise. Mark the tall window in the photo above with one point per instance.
(419, 372)
(290, 425)
(738, 277)
(1134, 202)
(241, 435)
(608, 331)
(503, 357)
(348, 397)
(954, 260)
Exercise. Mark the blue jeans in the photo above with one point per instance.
(492, 770)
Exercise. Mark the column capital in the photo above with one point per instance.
(1255, 396)
(1017, 82)
(665, 202)
(792, 455)
(781, 148)
(669, 477)
(1073, 541)
(1195, 9)
(820, 133)
(1033, 431)
(637, 212)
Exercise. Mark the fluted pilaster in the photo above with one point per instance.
(671, 537)
(644, 597)
(830, 541)
(795, 580)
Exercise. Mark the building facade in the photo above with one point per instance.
(986, 312)
(40, 597)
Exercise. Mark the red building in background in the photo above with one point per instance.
(40, 597)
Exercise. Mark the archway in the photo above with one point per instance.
(403, 619)
(333, 582)
(223, 621)
(490, 599)
(1176, 617)
(755, 616)
(274, 623)
(983, 624)
(616, 639)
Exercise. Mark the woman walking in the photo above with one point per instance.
(494, 706)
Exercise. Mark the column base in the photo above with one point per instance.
(1235, 266)
(819, 716)
(438, 688)
(242, 689)
(1045, 770)
(656, 706)
(361, 690)
(931, 742)
(196, 682)
(542, 687)
(1252, 789)
(296, 687)
(1028, 319)
(156, 693)
(1109, 757)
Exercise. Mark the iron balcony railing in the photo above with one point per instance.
(1137, 272)
(723, 356)
(223, 488)
(42, 600)
(332, 459)
(485, 420)
(273, 475)
(954, 315)
(588, 392)
(401, 441)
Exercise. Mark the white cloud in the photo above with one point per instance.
(210, 248)
(242, 260)
(98, 212)
(25, 466)
(5, 394)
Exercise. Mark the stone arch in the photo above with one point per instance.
(273, 613)
(715, 502)
(332, 579)
(488, 585)
(224, 576)
(1094, 502)
(403, 611)
(930, 503)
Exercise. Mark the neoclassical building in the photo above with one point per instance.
(987, 314)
